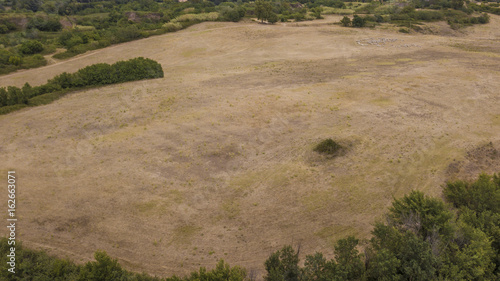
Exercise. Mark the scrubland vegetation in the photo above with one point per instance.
(230, 156)
(13, 98)
(31, 29)
(422, 238)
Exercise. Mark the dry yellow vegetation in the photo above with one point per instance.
(215, 160)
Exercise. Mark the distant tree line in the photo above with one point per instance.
(422, 238)
(93, 75)
(90, 25)
(410, 17)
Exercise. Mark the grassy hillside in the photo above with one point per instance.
(215, 160)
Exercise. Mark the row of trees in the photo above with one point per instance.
(408, 15)
(264, 11)
(103, 23)
(93, 75)
(94, 25)
(422, 238)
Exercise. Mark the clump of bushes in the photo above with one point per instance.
(44, 23)
(408, 16)
(31, 47)
(358, 21)
(22, 57)
(345, 21)
(328, 147)
(93, 75)
(421, 239)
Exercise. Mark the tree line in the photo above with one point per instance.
(456, 15)
(93, 75)
(422, 238)
(90, 25)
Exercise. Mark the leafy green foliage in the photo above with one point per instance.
(479, 196)
(358, 21)
(34, 265)
(421, 214)
(103, 268)
(403, 253)
(96, 24)
(44, 23)
(282, 265)
(222, 271)
(345, 21)
(31, 47)
(479, 205)
(421, 240)
(384, 266)
(263, 10)
(349, 263)
(273, 18)
(316, 267)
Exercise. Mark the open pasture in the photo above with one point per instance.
(215, 160)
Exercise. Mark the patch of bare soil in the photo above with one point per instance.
(481, 159)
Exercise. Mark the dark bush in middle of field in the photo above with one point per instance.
(328, 146)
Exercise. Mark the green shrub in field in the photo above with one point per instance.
(358, 21)
(31, 47)
(15, 60)
(345, 21)
(328, 147)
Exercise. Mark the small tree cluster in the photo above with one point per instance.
(421, 239)
(31, 47)
(44, 23)
(264, 11)
(346, 21)
(357, 21)
(284, 264)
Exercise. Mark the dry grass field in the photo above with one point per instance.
(215, 160)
